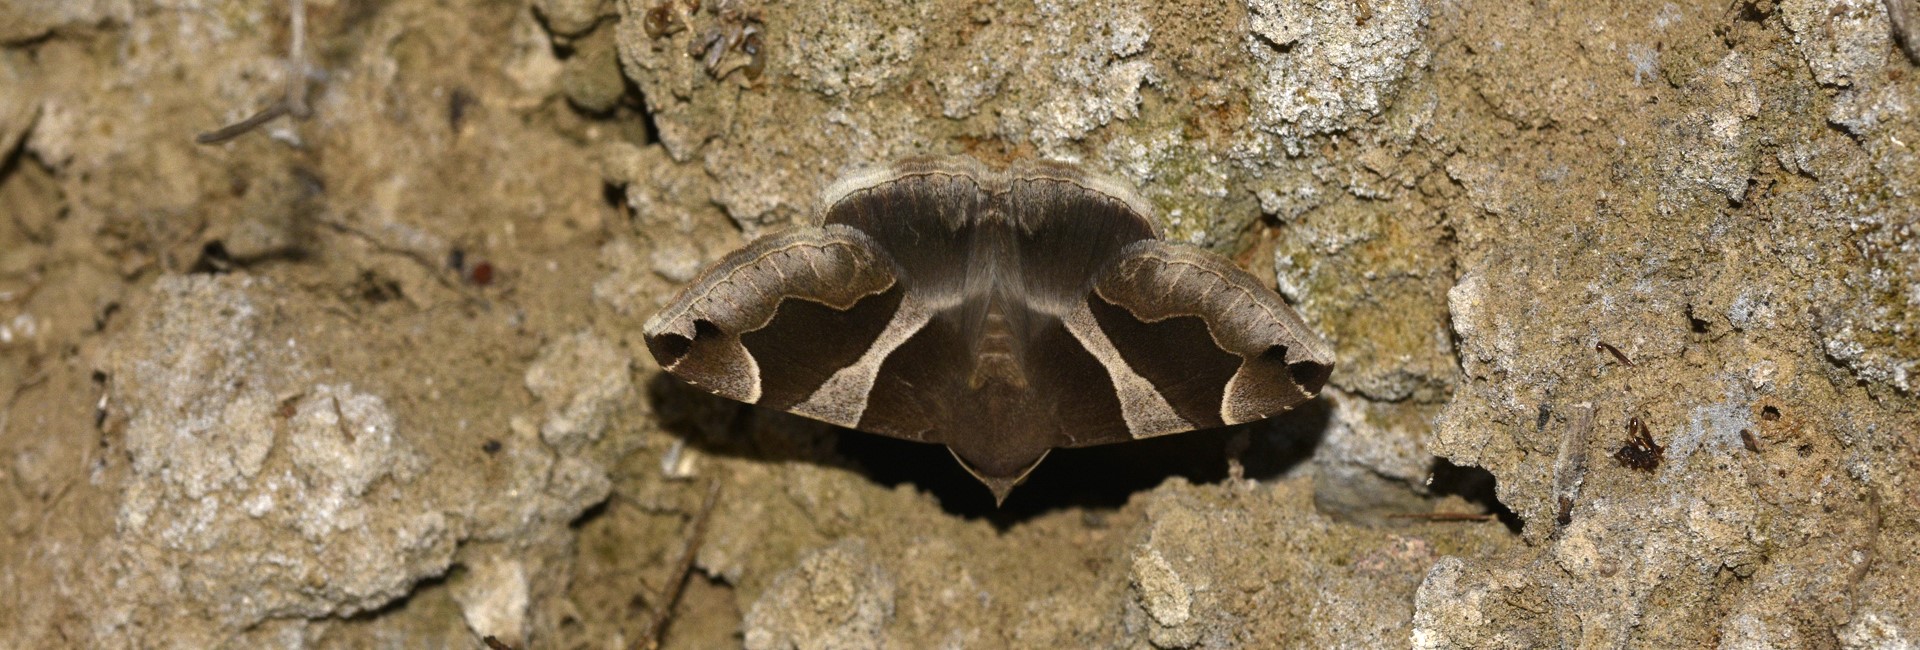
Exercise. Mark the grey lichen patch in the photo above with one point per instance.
(1719, 153)
(1190, 188)
(1328, 66)
(341, 442)
(854, 54)
(837, 597)
(1373, 275)
(1872, 328)
(1231, 570)
(197, 424)
(583, 379)
(1094, 50)
(1866, 307)
(1074, 81)
(493, 597)
(207, 400)
(1167, 600)
(1460, 607)
(1840, 40)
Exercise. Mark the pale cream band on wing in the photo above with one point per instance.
(742, 383)
(1234, 401)
(843, 398)
(1145, 410)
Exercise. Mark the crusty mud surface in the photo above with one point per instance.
(372, 377)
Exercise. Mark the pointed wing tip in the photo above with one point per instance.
(1000, 492)
(1000, 486)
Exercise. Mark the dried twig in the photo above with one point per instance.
(1570, 464)
(292, 100)
(1869, 551)
(424, 259)
(677, 584)
(1604, 346)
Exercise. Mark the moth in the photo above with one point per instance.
(1003, 313)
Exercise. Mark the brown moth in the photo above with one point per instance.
(1002, 313)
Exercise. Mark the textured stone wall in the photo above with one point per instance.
(373, 376)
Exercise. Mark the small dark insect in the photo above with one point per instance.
(340, 423)
(1566, 511)
(482, 274)
(1769, 413)
(457, 260)
(1640, 452)
(1747, 439)
(1603, 346)
(1546, 413)
(490, 446)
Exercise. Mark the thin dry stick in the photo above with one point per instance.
(1570, 463)
(293, 99)
(425, 260)
(1870, 551)
(663, 607)
(1617, 354)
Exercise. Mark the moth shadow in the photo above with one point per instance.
(722, 427)
(1102, 477)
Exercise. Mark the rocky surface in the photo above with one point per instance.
(372, 377)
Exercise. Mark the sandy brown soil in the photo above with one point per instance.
(372, 377)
